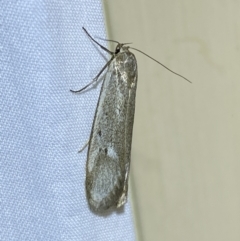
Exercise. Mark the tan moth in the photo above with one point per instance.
(109, 150)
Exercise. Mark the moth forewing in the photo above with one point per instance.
(109, 151)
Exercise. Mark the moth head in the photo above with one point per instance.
(120, 47)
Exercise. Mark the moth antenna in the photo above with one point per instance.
(114, 41)
(110, 52)
(109, 40)
(161, 64)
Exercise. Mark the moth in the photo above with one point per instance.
(109, 150)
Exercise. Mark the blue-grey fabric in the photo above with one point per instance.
(43, 54)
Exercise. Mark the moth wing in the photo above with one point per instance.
(110, 142)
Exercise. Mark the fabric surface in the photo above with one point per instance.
(43, 54)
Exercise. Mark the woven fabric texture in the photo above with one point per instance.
(43, 54)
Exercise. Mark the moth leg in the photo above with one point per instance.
(95, 79)
(85, 145)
